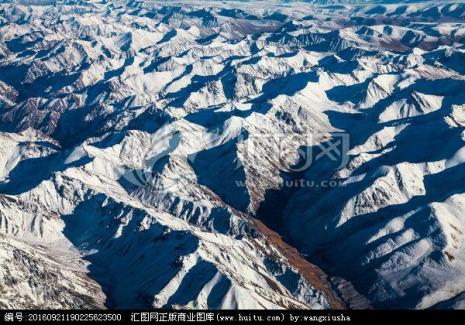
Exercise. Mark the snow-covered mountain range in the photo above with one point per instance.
(223, 154)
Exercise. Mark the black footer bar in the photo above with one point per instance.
(375, 317)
